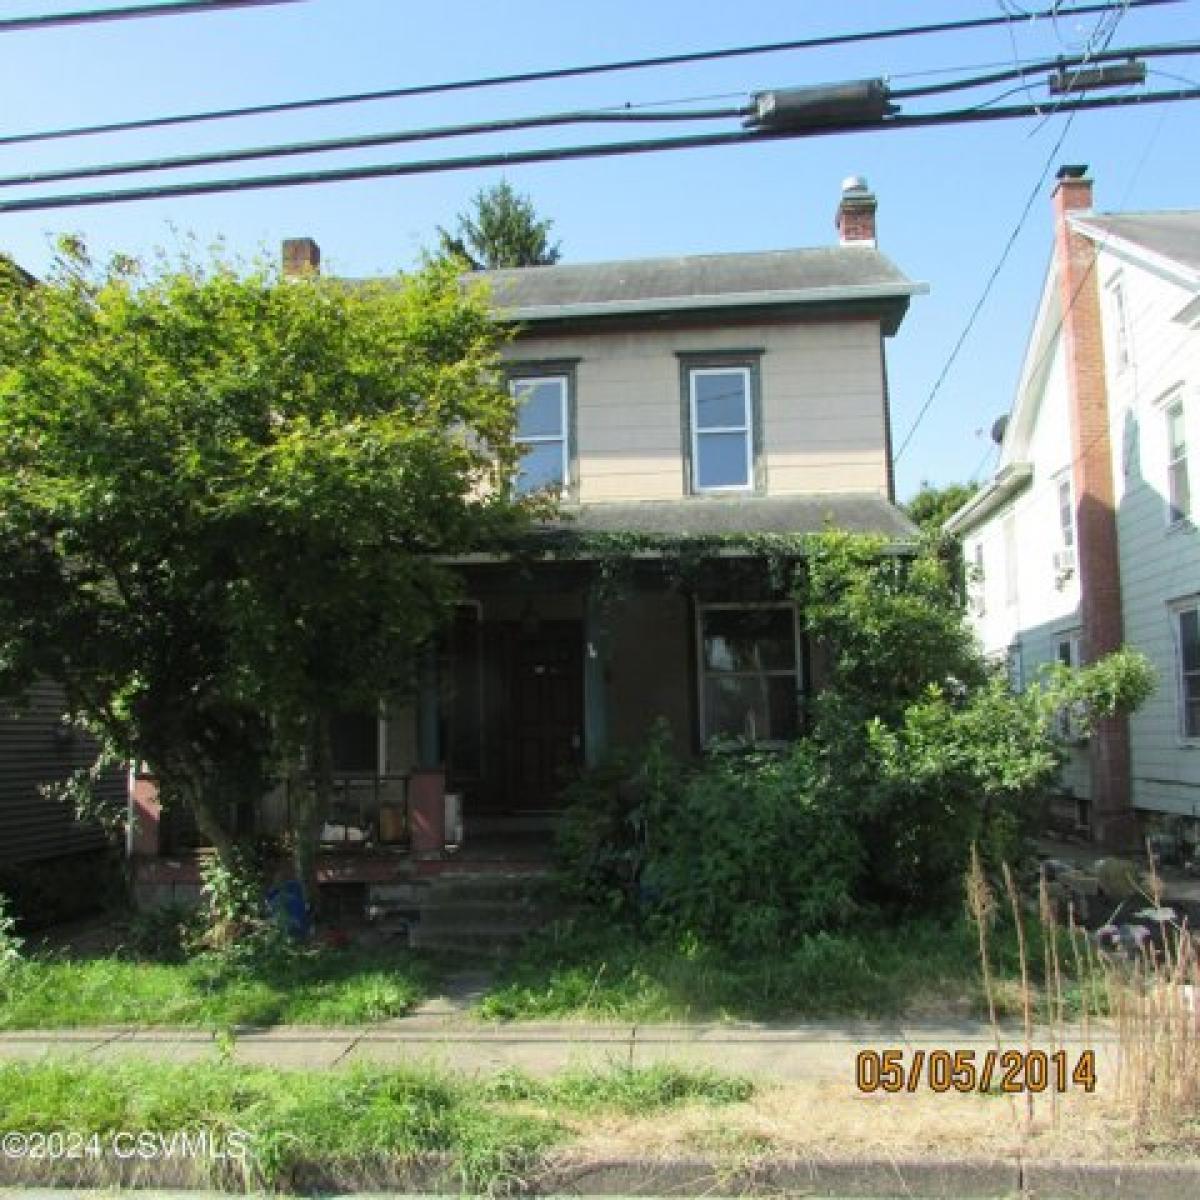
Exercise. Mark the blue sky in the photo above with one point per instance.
(949, 198)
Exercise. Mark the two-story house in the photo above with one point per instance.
(716, 397)
(1085, 538)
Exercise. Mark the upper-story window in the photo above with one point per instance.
(1120, 321)
(721, 397)
(1064, 556)
(1066, 513)
(543, 431)
(1179, 487)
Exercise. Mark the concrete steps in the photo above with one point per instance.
(485, 913)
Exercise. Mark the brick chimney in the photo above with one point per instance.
(1097, 550)
(855, 219)
(301, 256)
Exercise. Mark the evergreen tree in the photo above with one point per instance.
(501, 229)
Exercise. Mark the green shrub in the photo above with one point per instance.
(752, 852)
(916, 751)
(11, 943)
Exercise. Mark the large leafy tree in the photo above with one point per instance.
(932, 506)
(501, 229)
(223, 502)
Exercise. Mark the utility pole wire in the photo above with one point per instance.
(508, 125)
(631, 64)
(1161, 50)
(567, 153)
(89, 16)
(366, 141)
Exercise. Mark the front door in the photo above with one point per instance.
(548, 713)
(533, 714)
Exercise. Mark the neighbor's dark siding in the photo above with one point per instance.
(32, 827)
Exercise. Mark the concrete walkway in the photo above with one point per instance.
(814, 1050)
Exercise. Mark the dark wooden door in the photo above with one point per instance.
(533, 714)
(547, 689)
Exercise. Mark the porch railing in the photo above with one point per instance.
(366, 810)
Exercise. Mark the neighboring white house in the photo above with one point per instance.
(1086, 535)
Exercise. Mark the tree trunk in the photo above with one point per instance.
(314, 802)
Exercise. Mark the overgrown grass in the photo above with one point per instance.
(345, 1128)
(922, 968)
(321, 987)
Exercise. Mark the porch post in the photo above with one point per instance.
(595, 683)
(429, 742)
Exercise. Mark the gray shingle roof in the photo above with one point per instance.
(825, 274)
(856, 512)
(1174, 235)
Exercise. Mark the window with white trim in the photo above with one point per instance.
(1179, 488)
(1120, 315)
(721, 413)
(543, 431)
(1008, 529)
(749, 671)
(1186, 619)
(1066, 513)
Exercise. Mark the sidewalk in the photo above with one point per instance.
(809, 1051)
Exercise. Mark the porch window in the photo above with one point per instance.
(722, 429)
(1187, 655)
(749, 672)
(542, 431)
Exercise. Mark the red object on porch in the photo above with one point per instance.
(147, 817)
(427, 812)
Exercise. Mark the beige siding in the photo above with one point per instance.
(822, 406)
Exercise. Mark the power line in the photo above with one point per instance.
(366, 141)
(1027, 68)
(88, 16)
(987, 290)
(567, 153)
(619, 115)
(488, 81)
(1101, 37)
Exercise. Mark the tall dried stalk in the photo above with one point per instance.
(981, 904)
(1055, 1002)
(1014, 901)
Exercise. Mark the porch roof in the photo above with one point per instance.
(854, 512)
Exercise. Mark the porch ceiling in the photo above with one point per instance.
(856, 512)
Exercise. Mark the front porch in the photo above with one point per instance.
(553, 658)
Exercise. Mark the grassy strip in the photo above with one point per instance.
(345, 1127)
(923, 968)
(325, 987)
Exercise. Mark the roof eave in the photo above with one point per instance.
(670, 304)
(1009, 482)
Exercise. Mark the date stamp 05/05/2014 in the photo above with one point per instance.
(1004, 1071)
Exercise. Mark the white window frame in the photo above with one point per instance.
(1172, 403)
(1177, 609)
(1123, 344)
(1066, 528)
(1012, 582)
(564, 438)
(746, 429)
(702, 671)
